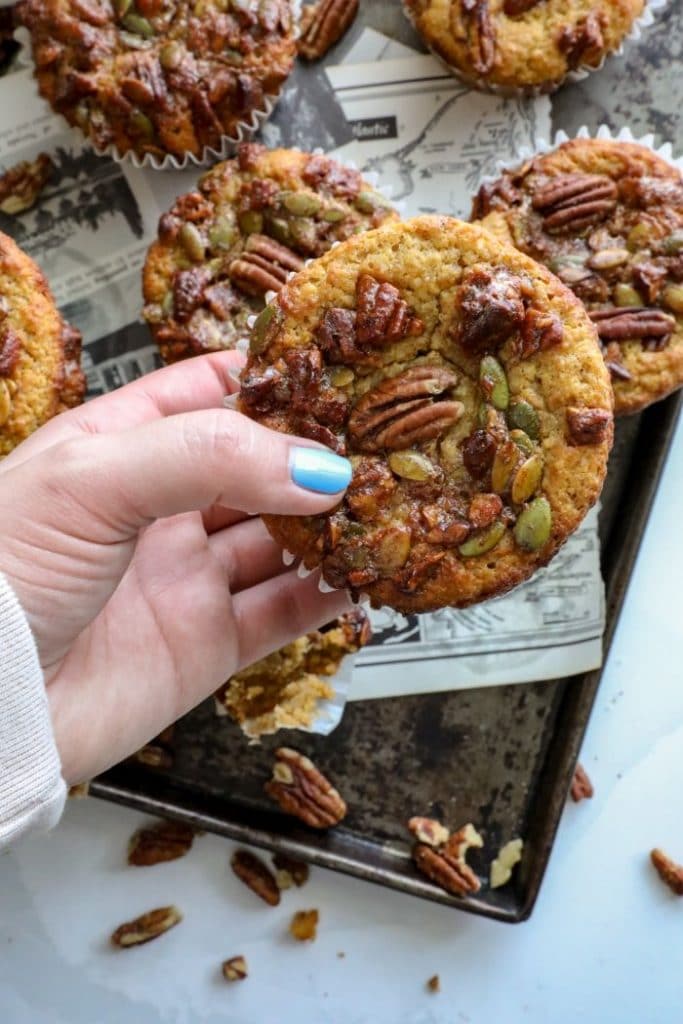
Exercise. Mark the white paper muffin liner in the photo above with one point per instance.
(577, 75)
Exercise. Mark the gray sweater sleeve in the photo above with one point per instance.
(32, 790)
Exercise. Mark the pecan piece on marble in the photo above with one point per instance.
(303, 791)
(382, 316)
(167, 840)
(323, 24)
(446, 865)
(256, 875)
(581, 786)
(481, 32)
(669, 872)
(491, 307)
(263, 266)
(627, 323)
(404, 410)
(21, 185)
(573, 201)
(146, 927)
(582, 43)
(587, 426)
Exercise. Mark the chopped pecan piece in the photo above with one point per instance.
(146, 927)
(321, 171)
(613, 361)
(484, 510)
(434, 983)
(582, 43)
(289, 872)
(235, 969)
(251, 870)
(623, 323)
(581, 787)
(21, 185)
(405, 410)
(482, 37)
(447, 865)
(188, 291)
(301, 790)
(487, 197)
(669, 872)
(649, 280)
(588, 426)
(10, 347)
(370, 489)
(491, 306)
(337, 336)
(356, 628)
(167, 840)
(304, 925)
(415, 576)
(263, 265)
(573, 201)
(381, 314)
(323, 24)
(540, 331)
(514, 7)
(428, 831)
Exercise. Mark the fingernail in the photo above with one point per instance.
(319, 470)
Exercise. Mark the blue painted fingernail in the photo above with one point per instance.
(319, 470)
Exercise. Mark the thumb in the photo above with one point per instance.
(193, 460)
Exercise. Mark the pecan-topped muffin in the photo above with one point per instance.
(607, 218)
(251, 222)
(159, 76)
(40, 372)
(284, 689)
(518, 45)
(465, 384)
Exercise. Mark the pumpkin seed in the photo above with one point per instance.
(251, 222)
(393, 548)
(625, 295)
(672, 297)
(138, 25)
(504, 464)
(222, 234)
(483, 540)
(265, 327)
(121, 7)
(167, 304)
(233, 56)
(303, 231)
(340, 376)
(140, 124)
(673, 244)
(608, 259)
(533, 525)
(5, 402)
(333, 214)
(639, 236)
(526, 480)
(170, 55)
(192, 242)
(301, 204)
(524, 417)
(411, 465)
(493, 382)
(368, 202)
(279, 229)
(523, 441)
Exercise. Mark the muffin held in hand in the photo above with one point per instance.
(251, 222)
(518, 45)
(40, 372)
(466, 385)
(160, 76)
(284, 689)
(607, 218)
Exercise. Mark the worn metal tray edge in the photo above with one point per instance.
(653, 442)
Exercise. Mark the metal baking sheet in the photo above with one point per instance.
(501, 757)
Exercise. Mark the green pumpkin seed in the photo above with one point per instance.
(222, 234)
(504, 464)
(333, 214)
(483, 540)
(340, 376)
(233, 56)
(608, 259)
(167, 304)
(625, 295)
(523, 441)
(524, 417)
(5, 402)
(639, 237)
(526, 479)
(171, 55)
(672, 297)
(192, 242)
(140, 124)
(533, 525)
(673, 244)
(138, 25)
(250, 222)
(493, 382)
(303, 231)
(368, 202)
(411, 465)
(121, 7)
(265, 327)
(279, 229)
(301, 204)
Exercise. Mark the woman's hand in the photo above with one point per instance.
(129, 538)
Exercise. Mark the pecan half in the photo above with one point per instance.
(669, 872)
(482, 36)
(624, 323)
(404, 410)
(146, 927)
(251, 870)
(167, 840)
(381, 314)
(581, 787)
(301, 790)
(21, 185)
(323, 24)
(583, 42)
(491, 307)
(573, 201)
(446, 865)
(263, 265)
(587, 426)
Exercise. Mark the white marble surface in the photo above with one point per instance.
(605, 943)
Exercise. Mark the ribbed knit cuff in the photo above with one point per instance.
(32, 791)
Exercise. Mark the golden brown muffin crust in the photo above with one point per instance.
(464, 382)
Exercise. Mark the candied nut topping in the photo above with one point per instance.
(492, 308)
(669, 872)
(167, 840)
(146, 927)
(588, 426)
(301, 790)
(255, 874)
(304, 925)
(581, 786)
(21, 185)
(235, 969)
(583, 43)
(323, 24)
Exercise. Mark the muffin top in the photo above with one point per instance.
(607, 218)
(522, 44)
(40, 371)
(251, 222)
(464, 382)
(159, 76)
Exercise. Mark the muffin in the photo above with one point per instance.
(159, 77)
(607, 218)
(251, 222)
(284, 689)
(522, 45)
(466, 385)
(40, 372)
